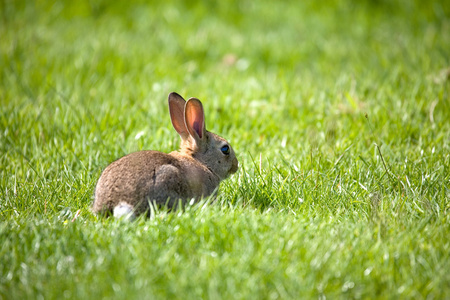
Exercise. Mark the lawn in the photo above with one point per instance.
(338, 112)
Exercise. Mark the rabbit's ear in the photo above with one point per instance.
(176, 109)
(195, 119)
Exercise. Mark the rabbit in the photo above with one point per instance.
(128, 185)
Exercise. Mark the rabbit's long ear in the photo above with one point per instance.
(176, 109)
(195, 119)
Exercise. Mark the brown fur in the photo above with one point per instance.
(151, 176)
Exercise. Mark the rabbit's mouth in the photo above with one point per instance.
(234, 166)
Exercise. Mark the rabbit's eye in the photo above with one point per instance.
(225, 149)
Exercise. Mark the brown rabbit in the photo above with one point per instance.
(128, 185)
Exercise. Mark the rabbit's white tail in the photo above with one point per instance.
(124, 211)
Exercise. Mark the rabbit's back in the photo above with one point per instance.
(138, 178)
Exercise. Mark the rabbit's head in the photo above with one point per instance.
(211, 150)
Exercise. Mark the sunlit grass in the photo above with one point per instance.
(338, 112)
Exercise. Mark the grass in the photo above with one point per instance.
(338, 112)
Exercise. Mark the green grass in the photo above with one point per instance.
(338, 111)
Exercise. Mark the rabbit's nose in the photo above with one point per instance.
(234, 166)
